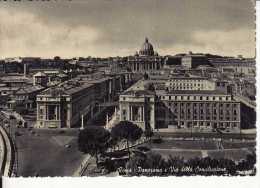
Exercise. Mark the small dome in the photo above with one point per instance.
(147, 48)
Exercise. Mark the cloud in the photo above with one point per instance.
(233, 43)
(24, 35)
(117, 28)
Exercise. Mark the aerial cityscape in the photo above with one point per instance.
(142, 113)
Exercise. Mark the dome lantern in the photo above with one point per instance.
(146, 49)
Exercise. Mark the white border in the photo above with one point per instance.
(180, 182)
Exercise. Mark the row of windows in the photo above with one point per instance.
(220, 98)
(203, 105)
(196, 117)
(202, 111)
(185, 84)
(181, 88)
(208, 124)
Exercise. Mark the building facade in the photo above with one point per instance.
(190, 83)
(65, 105)
(206, 110)
(146, 60)
(203, 109)
(138, 107)
(193, 60)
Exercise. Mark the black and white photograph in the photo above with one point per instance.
(128, 88)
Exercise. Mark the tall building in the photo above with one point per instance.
(146, 60)
(203, 109)
(194, 60)
(63, 106)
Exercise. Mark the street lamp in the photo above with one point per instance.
(191, 130)
(82, 122)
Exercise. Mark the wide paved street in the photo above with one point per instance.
(47, 152)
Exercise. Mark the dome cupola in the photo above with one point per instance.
(147, 48)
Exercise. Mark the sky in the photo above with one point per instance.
(102, 28)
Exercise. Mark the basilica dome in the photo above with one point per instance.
(147, 48)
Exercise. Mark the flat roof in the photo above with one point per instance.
(192, 92)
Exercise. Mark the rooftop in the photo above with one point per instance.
(192, 92)
(75, 85)
(139, 92)
(40, 74)
(29, 89)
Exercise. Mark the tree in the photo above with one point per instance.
(56, 58)
(93, 140)
(128, 131)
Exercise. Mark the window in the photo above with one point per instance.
(228, 125)
(51, 112)
(41, 111)
(135, 113)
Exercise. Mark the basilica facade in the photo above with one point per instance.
(146, 60)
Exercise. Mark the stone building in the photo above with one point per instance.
(146, 60)
(199, 109)
(40, 78)
(190, 83)
(63, 106)
(192, 60)
(204, 110)
(230, 65)
(138, 106)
